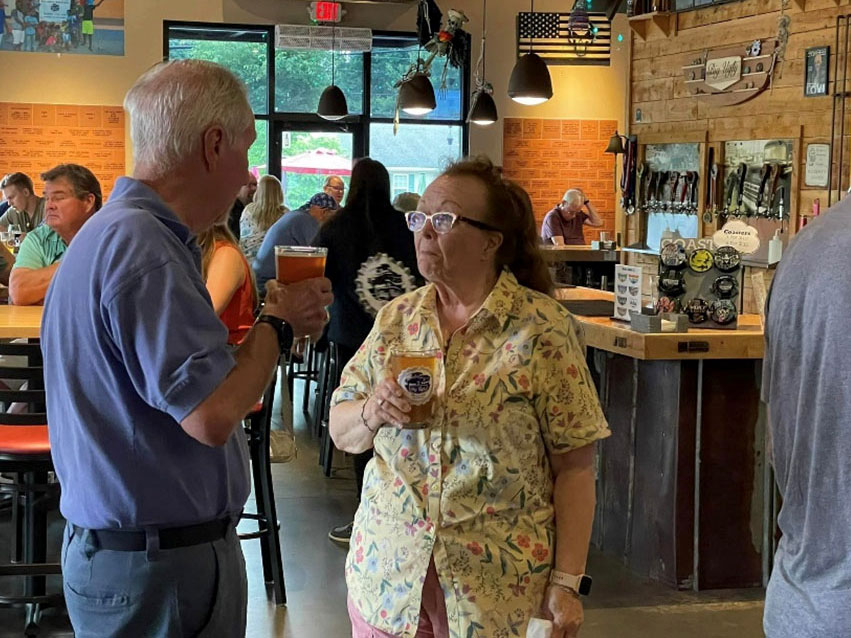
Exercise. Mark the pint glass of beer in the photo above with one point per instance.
(417, 375)
(297, 263)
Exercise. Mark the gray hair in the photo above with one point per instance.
(173, 103)
(573, 196)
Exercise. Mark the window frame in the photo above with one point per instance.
(280, 121)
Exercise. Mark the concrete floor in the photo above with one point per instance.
(309, 505)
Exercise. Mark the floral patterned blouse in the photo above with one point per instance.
(475, 490)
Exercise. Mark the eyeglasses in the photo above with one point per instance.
(442, 222)
(339, 189)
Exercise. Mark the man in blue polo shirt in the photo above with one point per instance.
(144, 396)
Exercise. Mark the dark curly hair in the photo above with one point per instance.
(510, 210)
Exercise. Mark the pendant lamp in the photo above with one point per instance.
(332, 102)
(416, 95)
(530, 81)
(482, 107)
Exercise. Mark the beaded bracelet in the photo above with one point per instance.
(363, 417)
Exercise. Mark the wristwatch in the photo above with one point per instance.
(577, 584)
(282, 329)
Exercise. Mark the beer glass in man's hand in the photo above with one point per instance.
(298, 263)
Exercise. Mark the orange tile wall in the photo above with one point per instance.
(546, 157)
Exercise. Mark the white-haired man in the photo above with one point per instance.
(145, 396)
(565, 221)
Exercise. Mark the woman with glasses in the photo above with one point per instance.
(482, 519)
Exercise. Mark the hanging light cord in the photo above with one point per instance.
(333, 47)
(532, 11)
(480, 64)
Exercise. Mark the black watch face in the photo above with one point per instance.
(697, 310)
(727, 258)
(673, 256)
(667, 304)
(701, 260)
(723, 312)
(725, 287)
(585, 585)
(671, 283)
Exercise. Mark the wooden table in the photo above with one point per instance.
(20, 322)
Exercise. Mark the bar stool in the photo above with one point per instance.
(25, 456)
(258, 424)
(331, 379)
(306, 369)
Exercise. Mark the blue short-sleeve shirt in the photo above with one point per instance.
(132, 346)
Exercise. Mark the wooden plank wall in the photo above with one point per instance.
(670, 113)
(668, 108)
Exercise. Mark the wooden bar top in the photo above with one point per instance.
(605, 333)
(20, 322)
(578, 254)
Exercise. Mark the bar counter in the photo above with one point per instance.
(680, 486)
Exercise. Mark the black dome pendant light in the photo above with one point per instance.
(483, 108)
(530, 81)
(332, 102)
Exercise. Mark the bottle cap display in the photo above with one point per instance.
(697, 310)
(725, 287)
(671, 283)
(701, 260)
(727, 258)
(723, 312)
(673, 256)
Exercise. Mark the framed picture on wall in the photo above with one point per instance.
(815, 71)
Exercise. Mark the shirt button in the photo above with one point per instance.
(435, 445)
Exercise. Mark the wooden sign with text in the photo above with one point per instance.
(731, 75)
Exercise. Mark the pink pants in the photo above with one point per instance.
(433, 621)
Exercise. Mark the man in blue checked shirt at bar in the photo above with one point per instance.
(144, 396)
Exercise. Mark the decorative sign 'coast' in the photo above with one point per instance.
(739, 235)
(722, 73)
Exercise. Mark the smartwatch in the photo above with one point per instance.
(580, 585)
(282, 329)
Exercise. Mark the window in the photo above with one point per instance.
(400, 183)
(420, 151)
(301, 76)
(391, 63)
(284, 88)
(243, 52)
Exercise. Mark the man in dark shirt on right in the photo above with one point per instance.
(243, 199)
(806, 385)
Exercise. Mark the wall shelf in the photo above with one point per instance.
(665, 20)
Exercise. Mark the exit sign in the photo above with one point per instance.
(326, 11)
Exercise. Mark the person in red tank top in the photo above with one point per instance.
(229, 280)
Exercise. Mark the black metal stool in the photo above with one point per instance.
(25, 455)
(258, 424)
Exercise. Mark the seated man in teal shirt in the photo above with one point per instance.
(72, 194)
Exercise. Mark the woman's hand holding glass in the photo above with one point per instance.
(387, 405)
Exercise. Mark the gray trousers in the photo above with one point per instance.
(192, 591)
